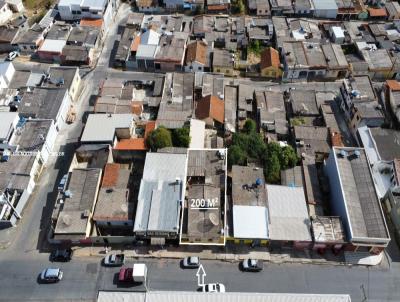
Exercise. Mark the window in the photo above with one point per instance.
(85, 9)
(33, 47)
(199, 68)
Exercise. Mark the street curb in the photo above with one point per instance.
(223, 258)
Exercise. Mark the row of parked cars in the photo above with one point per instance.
(52, 275)
(247, 265)
(138, 272)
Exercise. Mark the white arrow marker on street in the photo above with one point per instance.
(200, 275)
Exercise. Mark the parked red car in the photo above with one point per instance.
(125, 274)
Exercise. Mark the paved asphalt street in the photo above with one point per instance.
(27, 256)
(84, 277)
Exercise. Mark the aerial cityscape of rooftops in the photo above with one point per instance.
(200, 150)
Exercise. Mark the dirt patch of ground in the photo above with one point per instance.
(253, 58)
(36, 9)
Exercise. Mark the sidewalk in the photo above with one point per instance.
(230, 254)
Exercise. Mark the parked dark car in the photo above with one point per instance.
(62, 255)
(252, 265)
(125, 274)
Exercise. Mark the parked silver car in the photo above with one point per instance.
(252, 265)
(51, 275)
(191, 262)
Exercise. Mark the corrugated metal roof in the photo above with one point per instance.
(365, 215)
(197, 134)
(53, 45)
(108, 122)
(160, 194)
(94, 4)
(8, 120)
(146, 51)
(150, 37)
(170, 296)
(325, 4)
(289, 218)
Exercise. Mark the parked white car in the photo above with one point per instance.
(12, 55)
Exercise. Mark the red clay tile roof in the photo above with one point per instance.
(110, 177)
(377, 12)
(336, 139)
(136, 144)
(393, 85)
(270, 57)
(211, 106)
(135, 43)
(150, 126)
(92, 22)
(196, 51)
(146, 3)
(217, 7)
(131, 144)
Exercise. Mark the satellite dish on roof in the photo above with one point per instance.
(66, 219)
(213, 218)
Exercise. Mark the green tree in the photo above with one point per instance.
(249, 126)
(256, 147)
(241, 7)
(287, 157)
(236, 156)
(159, 138)
(238, 7)
(181, 137)
(272, 169)
(272, 148)
(255, 47)
(199, 10)
(241, 140)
